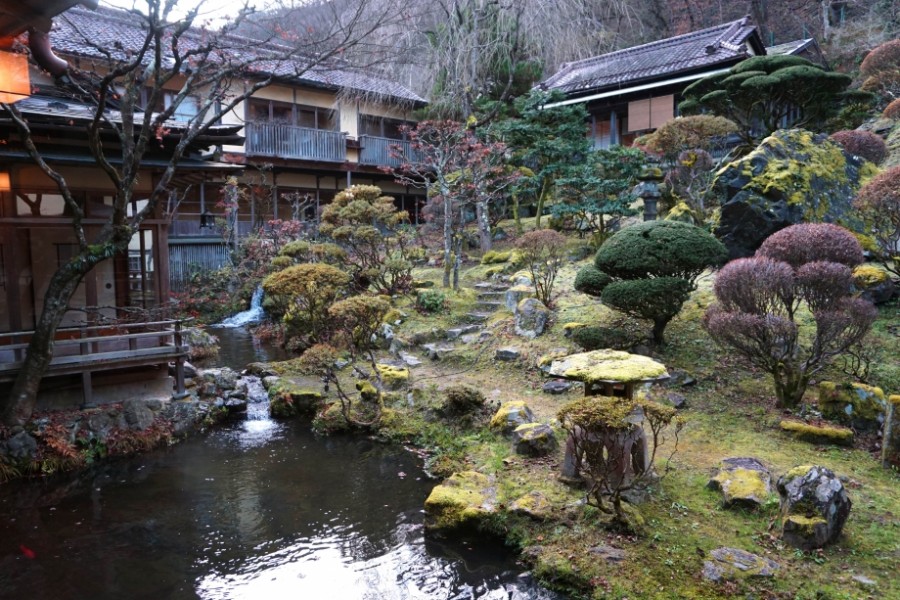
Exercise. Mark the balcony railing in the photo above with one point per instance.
(286, 141)
(379, 151)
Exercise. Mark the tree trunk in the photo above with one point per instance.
(516, 217)
(545, 191)
(484, 225)
(659, 328)
(457, 260)
(23, 397)
(448, 234)
(789, 388)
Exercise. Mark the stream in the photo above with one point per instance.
(255, 509)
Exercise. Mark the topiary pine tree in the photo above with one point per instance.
(652, 269)
(762, 92)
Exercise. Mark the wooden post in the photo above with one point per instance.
(87, 392)
(179, 364)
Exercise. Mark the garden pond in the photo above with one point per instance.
(255, 509)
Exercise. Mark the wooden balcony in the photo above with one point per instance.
(276, 140)
(84, 350)
(374, 150)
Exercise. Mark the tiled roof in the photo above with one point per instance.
(708, 48)
(89, 33)
(789, 47)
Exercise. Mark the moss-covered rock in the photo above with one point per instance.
(814, 506)
(511, 415)
(818, 434)
(421, 284)
(531, 318)
(874, 283)
(462, 502)
(288, 399)
(743, 482)
(727, 564)
(608, 365)
(516, 294)
(856, 404)
(793, 176)
(534, 504)
(393, 377)
(534, 439)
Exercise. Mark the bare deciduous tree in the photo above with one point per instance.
(174, 57)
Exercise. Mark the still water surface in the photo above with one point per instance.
(256, 510)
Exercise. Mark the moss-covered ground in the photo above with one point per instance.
(730, 412)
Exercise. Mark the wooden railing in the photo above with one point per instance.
(83, 350)
(286, 141)
(374, 150)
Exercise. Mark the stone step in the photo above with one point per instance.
(478, 317)
(456, 332)
(491, 286)
(485, 305)
(491, 295)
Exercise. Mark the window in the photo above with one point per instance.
(272, 111)
(650, 113)
(383, 127)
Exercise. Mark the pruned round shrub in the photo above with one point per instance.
(430, 301)
(281, 262)
(591, 281)
(866, 144)
(892, 110)
(658, 299)
(660, 249)
(879, 204)
(759, 297)
(597, 338)
(688, 133)
(885, 57)
(808, 242)
(462, 400)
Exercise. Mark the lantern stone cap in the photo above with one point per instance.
(612, 366)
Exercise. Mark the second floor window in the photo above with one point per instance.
(272, 111)
(382, 126)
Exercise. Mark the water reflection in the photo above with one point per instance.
(260, 509)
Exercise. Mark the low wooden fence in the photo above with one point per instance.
(84, 350)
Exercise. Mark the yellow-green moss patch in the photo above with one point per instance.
(819, 434)
(393, 377)
(608, 365)
(459, 502)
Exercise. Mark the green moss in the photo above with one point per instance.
(393, 377)
(894, 399)
(804, 525)
(493, 257)
(818, 434)
(608, 365)
(459, 502)
(501, 419)
(547, 359)
(869, 275)
(851, 403)
(287, 399)
(743, 483)
(798, 472)
(597, 412)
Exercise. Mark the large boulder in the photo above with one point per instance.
(858, 405)
(743, 482)
(531, 318)
(814, 507)
(461, 502)
(793, 176)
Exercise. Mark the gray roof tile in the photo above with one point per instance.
(722, 45)
(91, 33)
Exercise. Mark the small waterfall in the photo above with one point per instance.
(253, 315)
